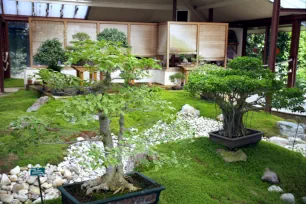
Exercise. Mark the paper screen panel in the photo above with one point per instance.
(144, 40)
(74, 28)
(121, 27)
(212, 42)
(162, 39)
(183, 38)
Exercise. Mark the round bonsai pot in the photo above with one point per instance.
(72, 193)
(57, 93)
(71, 91)
(232, 143)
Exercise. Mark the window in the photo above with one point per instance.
(182, 16)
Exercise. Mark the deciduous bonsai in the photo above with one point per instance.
(109, 57)
(245, 77)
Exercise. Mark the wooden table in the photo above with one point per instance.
(186, 68)
(80, 73)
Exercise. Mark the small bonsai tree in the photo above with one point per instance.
(177, 79)
(113, 35)
(244, 77)
(50, 53)
(108, 57)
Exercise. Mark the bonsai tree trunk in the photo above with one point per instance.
(113, 179)
(233, 123)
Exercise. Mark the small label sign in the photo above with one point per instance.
(37, 171)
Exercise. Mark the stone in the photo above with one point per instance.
(34, 190)
(15, 170)
(28, 202)
(42, 180)
(6, 198)
(275, 188)
(5, 180)
(220, 118)
(38, 200)
(52, 195)
(13, 178)
(16, 188)
(41, 101)
(231, 156)
(23, 192)
(67, 174)
(189, 110)
(25, 186)
(3, 192)
(15, 201)
(58, 182)
(304, 199)
(288, 198)
(279, 141)
(270, 177)
(80, 139)
(46, 185)
(289, 129)
(31, 179)
(22, 197)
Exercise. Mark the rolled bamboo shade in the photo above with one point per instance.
(162, 39)
(183, 38)
(212, 41)
(45, 30)
(144, 40)
(73, 28)
(121, 27)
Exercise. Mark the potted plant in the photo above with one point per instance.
(178, 80)
(110, 57)
(50, 53)
(30, 79)
(244, 77)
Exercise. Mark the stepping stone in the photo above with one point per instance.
(231, 156)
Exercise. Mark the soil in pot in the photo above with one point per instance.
(135, 179)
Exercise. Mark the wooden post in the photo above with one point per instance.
(244, 40)
(294, 50)
(7, 73)
(266, 48)
(174, 10)
(211, 15)
(274, 34)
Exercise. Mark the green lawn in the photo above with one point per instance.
(12, 82)
(206, 179)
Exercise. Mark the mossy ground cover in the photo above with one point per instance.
(12, 82)
(206, 179)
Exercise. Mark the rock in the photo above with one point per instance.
(6, 188)
(13, 178)
(34, 190)
(304, 199)
(5, 180)
(279, 141)
(289, 129)
(41, 101)
(31, 179)
(23, 192)
(29, 166)
(58, 182)
(80, 139)
(15, 170)
(28, 202)
(3, 192)
(220, 118)
(230, 156)
(52, 195)
(288, 198)
(15, 201)
(67, 174)
(46, 185)
(25, 186)
(6, 198)
(189, 110)
(16, 188)
(42, 180)
(270, 177)
(22, 197)
(37, 166)
(274, 188)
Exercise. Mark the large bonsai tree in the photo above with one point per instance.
(231, 87)
(109, 57)
(50, 53)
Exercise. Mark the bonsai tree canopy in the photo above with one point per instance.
(244, 77)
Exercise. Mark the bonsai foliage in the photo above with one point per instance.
(244, 77)
(18, 61)
(177, 78)
(108, 57)
(50, 53)
(113, 35)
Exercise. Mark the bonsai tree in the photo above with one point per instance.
(108, 57)
(113, 35)
(177, 79)
(50, 53)
(244, 77)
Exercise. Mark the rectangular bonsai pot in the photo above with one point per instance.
(232, 143)
(146, 196)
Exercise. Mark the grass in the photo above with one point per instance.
(12, 82)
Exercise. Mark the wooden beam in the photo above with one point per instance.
(244, 41)
(266, 46)
(292, 10)
(174, 10)
(192, 8)
(274, 35)
(294, 50)
(221, 4)
(15, 18)
(2, 8)
(211, 15)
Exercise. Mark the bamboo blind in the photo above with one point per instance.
(183, 38)
(74, 27)
(212, 41)
(162, 39)
(45, 30)
(121, 27)
(144, 39)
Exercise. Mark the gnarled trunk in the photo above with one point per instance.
(233, 123)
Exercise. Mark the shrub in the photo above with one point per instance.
(113, 35)
(50, 53)
(244, 77)
(177, 78)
